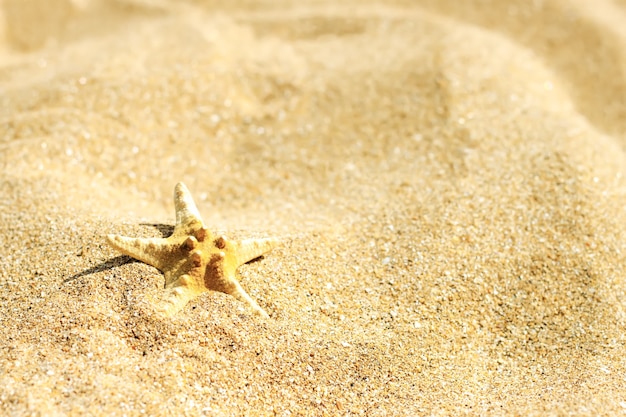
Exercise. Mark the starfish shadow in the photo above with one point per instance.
(166, 230)
(255, 260)
(103, 266)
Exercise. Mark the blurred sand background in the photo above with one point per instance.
(446, 178)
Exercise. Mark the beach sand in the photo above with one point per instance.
(446, 180)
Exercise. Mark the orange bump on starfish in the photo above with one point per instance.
(192, 259)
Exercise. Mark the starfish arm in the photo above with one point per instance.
(147, 250)
(187, 214)
(250, 249)
(239, 293)
(175, 299)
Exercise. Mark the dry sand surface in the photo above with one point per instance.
(446, 179)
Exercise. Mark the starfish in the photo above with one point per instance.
(192, 259)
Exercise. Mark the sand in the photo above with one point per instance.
(446, 180)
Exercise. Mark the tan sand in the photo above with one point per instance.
(446, 178)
